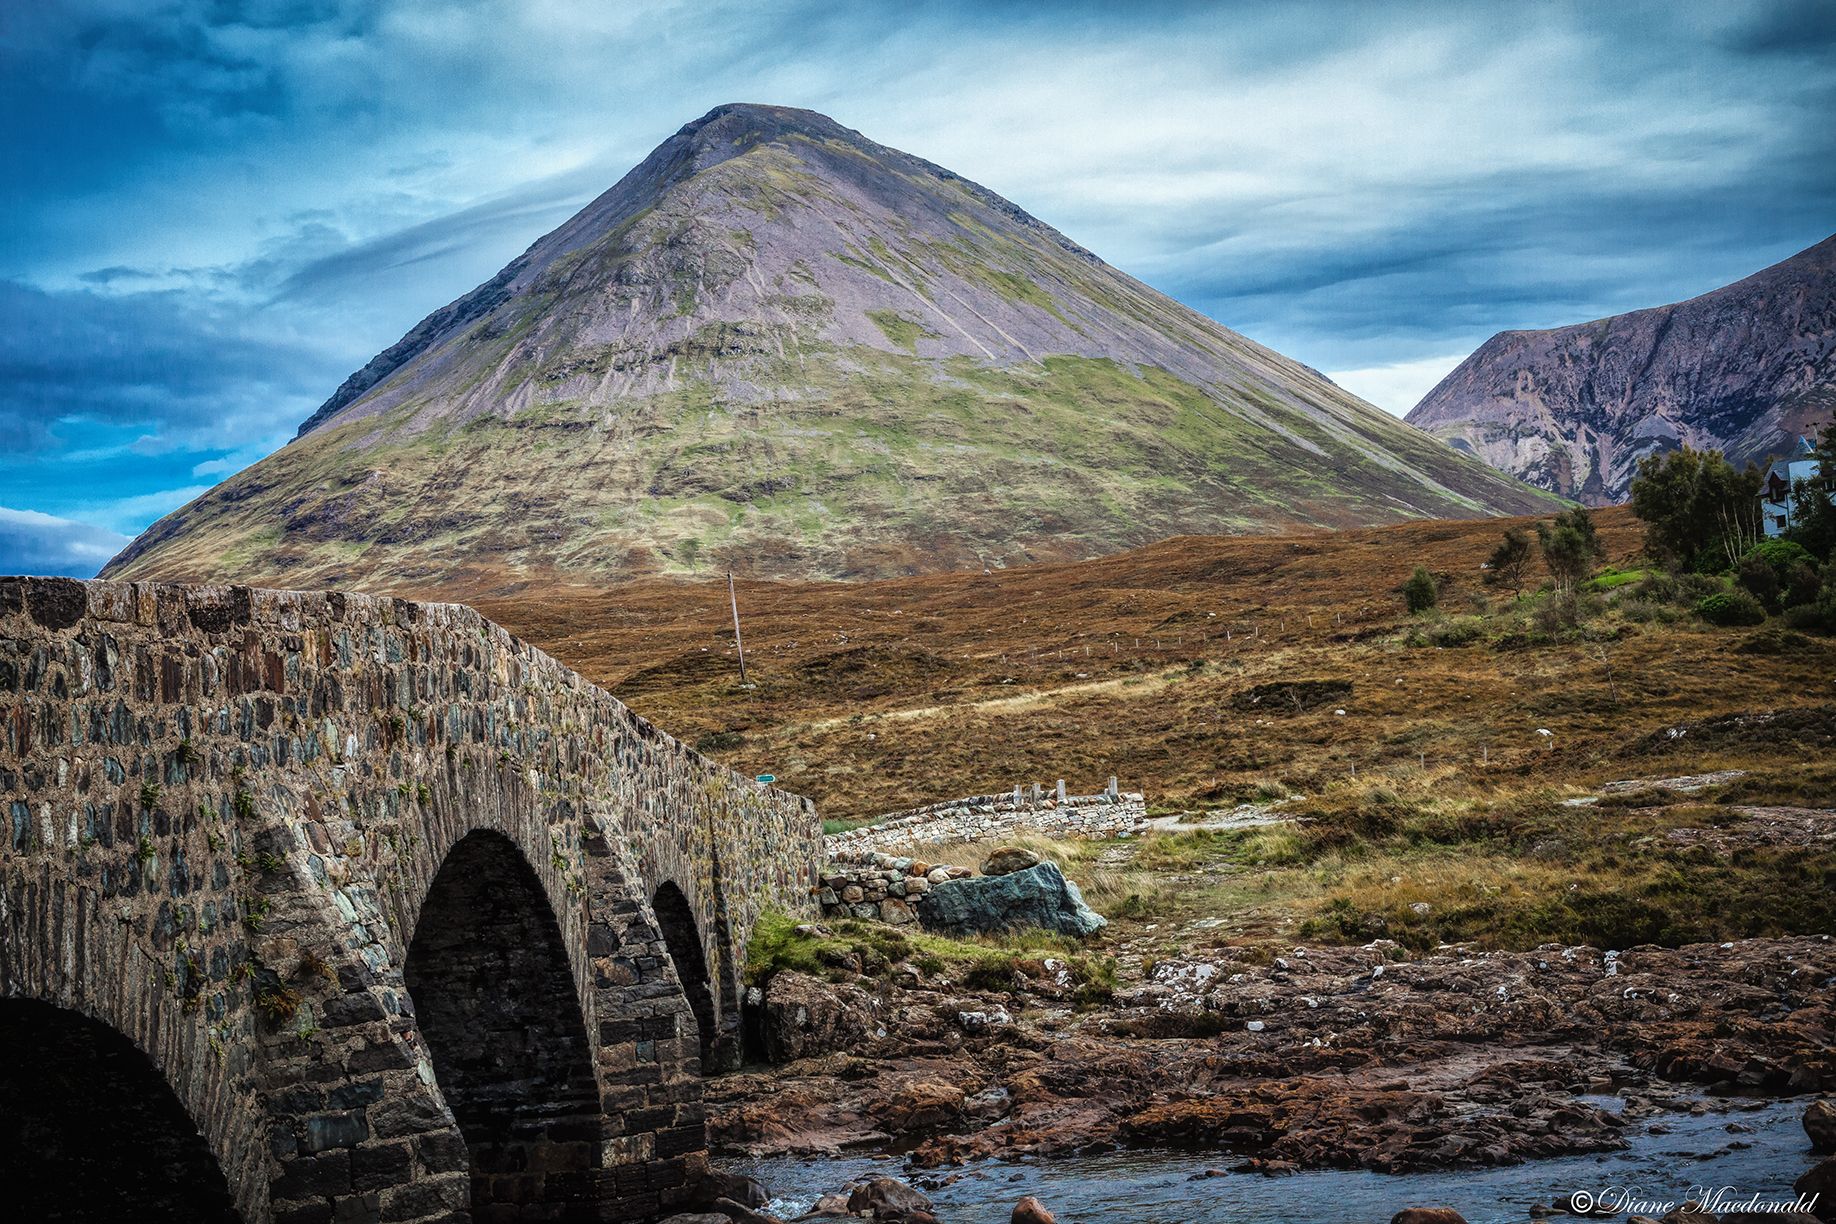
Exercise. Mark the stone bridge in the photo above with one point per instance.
(325, 907)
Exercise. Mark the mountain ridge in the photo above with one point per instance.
(1745, 368)
(779, 347)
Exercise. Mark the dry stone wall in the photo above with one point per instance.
(981, 817)
(874, 885)
(224, 810)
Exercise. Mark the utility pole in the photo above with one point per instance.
(738, 645)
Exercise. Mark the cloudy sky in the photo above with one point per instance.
(215, 210)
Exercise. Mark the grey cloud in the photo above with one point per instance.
(162, 360)
(34, 543)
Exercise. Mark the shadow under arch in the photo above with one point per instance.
(496, 1004)
(91, 1132)
(682, 936)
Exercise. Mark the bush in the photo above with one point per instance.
(1569, 546)
(1460, 631)
(1781, 555)
(1802, 585)
(1735, 607)
(1760, 580)
(1805, 616)
(1421, 592)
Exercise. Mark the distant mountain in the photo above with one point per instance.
(1745, 369)
(778, 347)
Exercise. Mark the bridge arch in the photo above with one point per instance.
(106, 1033)
(496, 1006)
(92, 1133)
(682, 936)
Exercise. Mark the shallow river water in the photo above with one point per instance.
(1171, 1188)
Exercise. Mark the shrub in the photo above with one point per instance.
(1569, 545)
(1420, 592)
(1460, 631)
(1759, 580)
(1805, 616)
(1735, 607)
(1802, 585)
(1509, 561)
(1781, 555)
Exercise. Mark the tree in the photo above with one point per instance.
(1814, 501)
(1421, 592)
(1510, 561)
(1699, 512)
(1569, 546)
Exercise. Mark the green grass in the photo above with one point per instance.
(874, 948)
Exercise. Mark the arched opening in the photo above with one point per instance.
(91, 1133)
(495, 1002)
(681, 935)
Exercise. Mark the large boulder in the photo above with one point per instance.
(804, 1018)
(1009, 859)
(1820, 1181)
(1820, 1125)
(1039, 896)
(1428, 1215)
(887, 1198)
(1030, 1210)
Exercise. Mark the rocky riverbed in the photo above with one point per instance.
(1320, 1057)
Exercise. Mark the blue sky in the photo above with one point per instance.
(216, 210)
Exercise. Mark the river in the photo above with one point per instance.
(1141, 1187)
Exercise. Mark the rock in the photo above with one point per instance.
(738, 1213)
(1037, 896)
(922, 1107)
(886, 1198)
(1688, 1213)
(1007, 860)
(748, 1191)
(696, 1217)
(1820, 1181)
(804, 1017)
(1820, 1125)
(1428, 1215)
(1030, 1210)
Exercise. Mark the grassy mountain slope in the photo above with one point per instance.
(780, 348)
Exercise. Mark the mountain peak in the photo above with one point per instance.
(778, 347)
(1744, 369)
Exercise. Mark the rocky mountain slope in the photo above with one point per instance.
(778, 347)
(1745, 369)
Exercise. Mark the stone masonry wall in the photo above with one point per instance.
(873, 885)
(223, 810)
(981, 817)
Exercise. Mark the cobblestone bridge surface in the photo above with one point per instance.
(320, 907)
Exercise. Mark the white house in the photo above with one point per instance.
(1778, 495)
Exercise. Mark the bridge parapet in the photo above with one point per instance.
(227, 816)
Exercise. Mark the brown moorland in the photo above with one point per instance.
(1191, 669)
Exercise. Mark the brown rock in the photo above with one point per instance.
(1030, 1210)
(1007, 860)
(1820, 1125)
(804, 1017)
(1428, 1215)
(1821, 1181)
(887, 1198)
(921, 1107)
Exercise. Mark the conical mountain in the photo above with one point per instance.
(780, 348)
